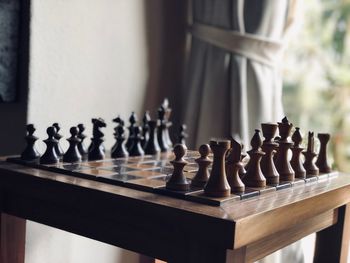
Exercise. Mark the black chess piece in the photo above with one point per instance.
(73, 155)
(58, 137)
(322, 162)
(30, 153)
(145, 130)
(50, 156)
(119, 122)
(281, 159)
(96, 151)
(81, 146)
(233, 166)
(296, 161)
(161, 134)
(217, 185)
(119, 150)
(202, 175)
(182, 134)
(178, 181)
(254, 176)
(132, 120)
(310, 154)
(167, 113)
(152, 146)
(269, 147)
(136, 149)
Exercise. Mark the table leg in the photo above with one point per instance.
(12, 240)
(332, 243)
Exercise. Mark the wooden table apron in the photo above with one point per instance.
(177, 230)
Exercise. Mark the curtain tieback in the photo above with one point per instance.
(254, 47)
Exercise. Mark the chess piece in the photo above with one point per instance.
(178, 181)
(152, 146)
(296, 161)
(58, 137)
(132, 120)
(217, 185)
(182, 134)
(242, 171)
(136, 149)
(309, 164)
(202, 175)
(120, 150)
(73, 155)
(50, 156)
(97, 150)
(233, 166)
(145, 129)
(321, 161)
(162, 130)
(269, 148)
(119, 122)
(254, 176)
(167, 110)
(30, 153)
(282, 158)
(81, 146)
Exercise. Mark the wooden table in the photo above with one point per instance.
(171, 229)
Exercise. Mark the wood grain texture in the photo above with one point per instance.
(12, 242)
(177, 230)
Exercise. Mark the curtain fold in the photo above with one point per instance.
(227, 93)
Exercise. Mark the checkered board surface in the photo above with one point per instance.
(150, 173)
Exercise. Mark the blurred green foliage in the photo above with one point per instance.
(317, 73)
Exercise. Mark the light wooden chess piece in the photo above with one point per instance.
(254, 176)
(284, 144)
(233, 166)
(269, 147)
(296, 162)
(309, 164)
(321, 161)
(178, 181)
(217, 185)
(202, 175)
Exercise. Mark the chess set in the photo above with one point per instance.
(218, 173)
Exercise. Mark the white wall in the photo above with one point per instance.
(87, 59)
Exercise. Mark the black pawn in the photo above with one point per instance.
(81, 146)
(50, 155)
(152, 146)
(178, 181)
(136, 149)
(145, 129)
(182, 134)
(119, 150)
(132, 120)
(73, 155)
(30, 153)
(58, 137)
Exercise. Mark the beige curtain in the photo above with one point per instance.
(233, 84)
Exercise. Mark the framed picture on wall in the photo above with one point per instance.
(10, 48)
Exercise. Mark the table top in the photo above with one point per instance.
(27, 192)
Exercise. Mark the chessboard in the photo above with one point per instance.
(151, 172)
(145, 158)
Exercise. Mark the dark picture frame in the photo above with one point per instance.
(14, 49)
